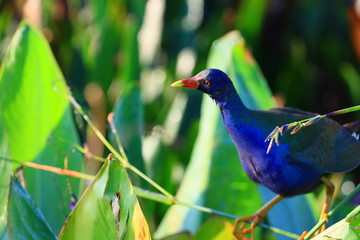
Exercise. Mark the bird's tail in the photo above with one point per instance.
(353, 128)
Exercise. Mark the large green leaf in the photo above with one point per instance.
(5, 171)
(353, 219)
(108, 209)
(25, 221)
(250, 19)
(37, 119)
(214, 155)
(216, 229)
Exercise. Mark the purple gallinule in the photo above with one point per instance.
(298, 165)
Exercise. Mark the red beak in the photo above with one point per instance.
(187, 83)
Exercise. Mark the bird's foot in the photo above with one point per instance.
(244, 221)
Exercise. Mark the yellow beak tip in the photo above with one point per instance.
(177, 84)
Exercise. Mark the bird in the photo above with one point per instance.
(299, 164)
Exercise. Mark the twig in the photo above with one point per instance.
(118, 156)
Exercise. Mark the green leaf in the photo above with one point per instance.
(5, 171)
(25, 221)
(250, 19)
(353, 219)
(108, 209)
(215, 228)
(178, 236)
(37, 121)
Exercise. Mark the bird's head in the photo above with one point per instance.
(214, 82)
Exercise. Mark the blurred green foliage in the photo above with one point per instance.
(132, 50)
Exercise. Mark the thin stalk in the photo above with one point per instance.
(331, 212)
(149, 180)
(60, 171)
(84, 151)
(123, 161)
(343, 111)
(115, 133)
(94, 128)
(334, 113)
(174, 201)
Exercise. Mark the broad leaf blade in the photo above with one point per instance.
(25, 221)
(5, 171)
(353, 219)
(108, 209)
(216, 229)
(92, 217)
(37, 120)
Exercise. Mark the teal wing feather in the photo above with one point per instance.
(330, 147)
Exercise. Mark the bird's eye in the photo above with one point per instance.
(207, 83)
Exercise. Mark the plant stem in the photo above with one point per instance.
(115, 133)
(174, 201)
(334, 113)
(122, 160)
(343, 111)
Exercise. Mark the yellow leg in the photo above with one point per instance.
(256, 218)
(329, 189)
(329, 196)
(302, 236)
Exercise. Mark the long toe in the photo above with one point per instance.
(241, 233)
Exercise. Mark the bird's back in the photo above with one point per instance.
(325, 145)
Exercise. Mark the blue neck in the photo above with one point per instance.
(239, 121)
(231, 106)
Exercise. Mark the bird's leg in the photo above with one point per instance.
(329, 186)
(256, 218)
(329, 189)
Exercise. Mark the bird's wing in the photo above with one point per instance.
(347, 152)
(331, 148)
(294, 111)
(326, 145)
